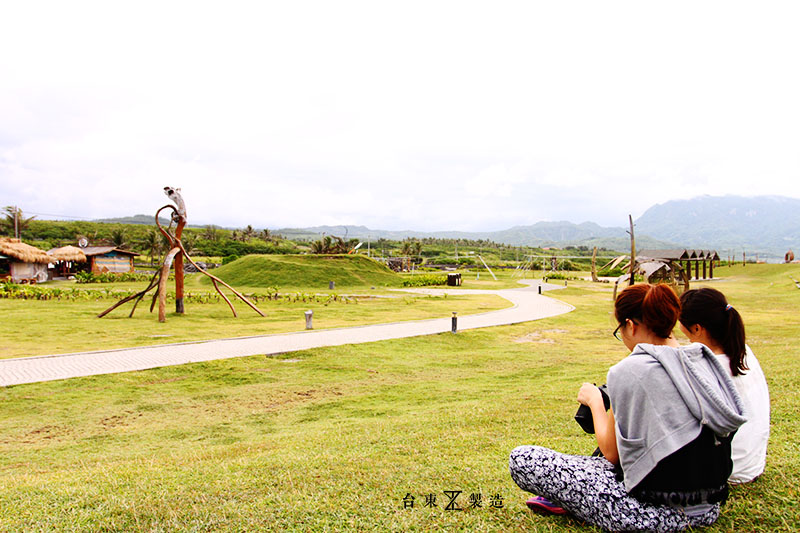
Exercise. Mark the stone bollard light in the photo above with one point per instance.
(309, 317)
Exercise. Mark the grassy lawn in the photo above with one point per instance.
(50, 327)
(332, 439)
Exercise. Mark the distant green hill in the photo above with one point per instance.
(307, 271)
(135, 219)
(143, 220)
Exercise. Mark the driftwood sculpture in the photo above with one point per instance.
(176, 253)
(594, 265)
(633, 252)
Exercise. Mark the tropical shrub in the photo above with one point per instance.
(424, 280)
(111, 277)
(15, 291)
(559, 275)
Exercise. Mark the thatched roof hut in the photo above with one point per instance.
(25, 263)
(68, 253)
(24, 253)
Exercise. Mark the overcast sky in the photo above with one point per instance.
(395, 115)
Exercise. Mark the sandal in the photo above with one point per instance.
(542, 505)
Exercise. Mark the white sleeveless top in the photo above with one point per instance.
(749, 446)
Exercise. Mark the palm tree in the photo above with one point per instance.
(266, 235)
(152, 244)
(248, 233)
(407, 249)
(331, 244)
(14, 222)
(322, 246)
(210, 233)
(189, 242)
(318, 247)
(118, 238)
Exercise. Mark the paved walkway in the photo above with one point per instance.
(528, 305)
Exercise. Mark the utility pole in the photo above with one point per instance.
(16, 222)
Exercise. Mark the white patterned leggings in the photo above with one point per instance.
(588, 489)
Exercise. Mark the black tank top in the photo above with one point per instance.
(696, 474)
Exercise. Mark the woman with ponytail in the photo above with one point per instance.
(708, 318)
(665, 441)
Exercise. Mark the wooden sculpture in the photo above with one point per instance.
(176, 254)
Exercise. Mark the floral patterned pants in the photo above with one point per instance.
(588, 489)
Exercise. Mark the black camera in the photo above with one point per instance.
(584, 415)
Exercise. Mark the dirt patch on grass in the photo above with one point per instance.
(540, 337)
(288, 399)
(38, 435)
(123, 419)
(167, 380)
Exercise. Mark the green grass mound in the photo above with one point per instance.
(307, 271)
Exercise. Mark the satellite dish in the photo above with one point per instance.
(83, 242)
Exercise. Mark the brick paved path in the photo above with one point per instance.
(528, 305)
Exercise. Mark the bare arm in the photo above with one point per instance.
(590, 396)
(606, 436)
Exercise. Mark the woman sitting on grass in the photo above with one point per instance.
(707, 318)
(666, 439)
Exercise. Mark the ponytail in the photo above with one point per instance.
(734, 343)
(709, 309)
(656, 306)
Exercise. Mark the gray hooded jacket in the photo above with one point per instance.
(661, 397)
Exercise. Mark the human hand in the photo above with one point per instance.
(589, 394)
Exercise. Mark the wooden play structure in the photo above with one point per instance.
(673, 267)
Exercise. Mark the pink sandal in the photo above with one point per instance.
(542, 505)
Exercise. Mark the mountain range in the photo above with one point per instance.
(767, 226)
(760, 224)
(561, 233)
(763, 226)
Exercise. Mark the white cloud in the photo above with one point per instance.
(434, 115)
(497, 180)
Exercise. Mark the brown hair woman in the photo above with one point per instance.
(665, 440)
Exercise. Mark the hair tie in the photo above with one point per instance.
(728, 307)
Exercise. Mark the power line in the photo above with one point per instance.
(62, 216)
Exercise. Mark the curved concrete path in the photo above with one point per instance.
(528, 305)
